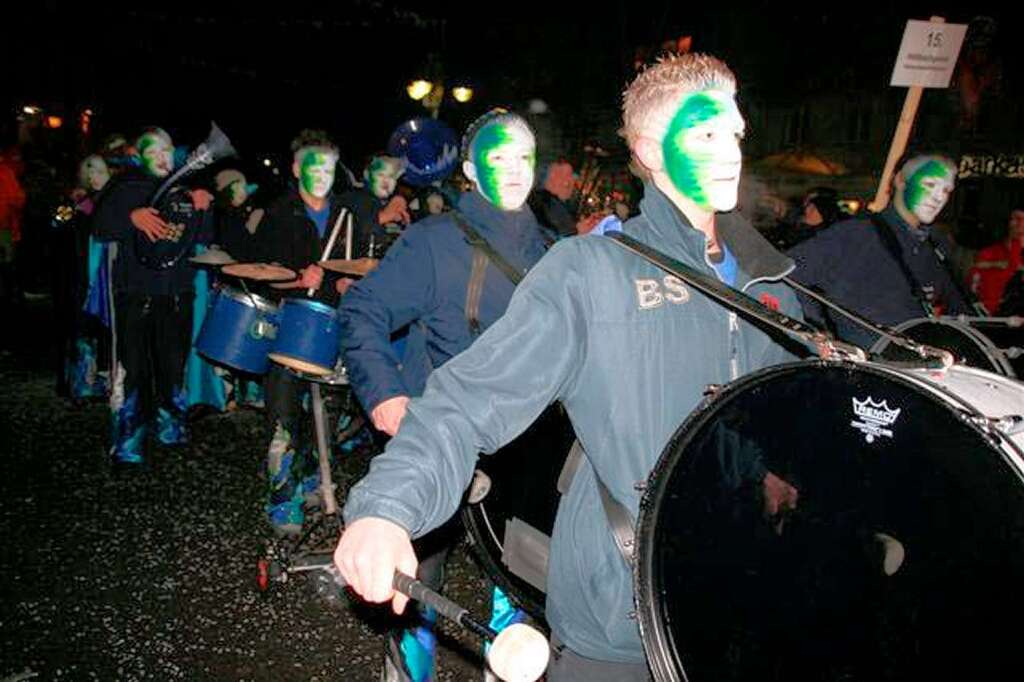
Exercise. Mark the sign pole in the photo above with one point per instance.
(899, 141)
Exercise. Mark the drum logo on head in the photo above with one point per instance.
(875, 417)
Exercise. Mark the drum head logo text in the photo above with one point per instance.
(875, 418)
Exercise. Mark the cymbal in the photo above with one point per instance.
(261, 272)
(357, 266)
(214, 256)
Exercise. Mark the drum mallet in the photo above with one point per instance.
(519, 653)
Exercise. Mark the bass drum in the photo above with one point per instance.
(511, 509)
(994, 344)
(902, 559)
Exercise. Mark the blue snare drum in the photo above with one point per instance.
(239, 331)
(307, 337)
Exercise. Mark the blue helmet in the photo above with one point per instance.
(429, 148)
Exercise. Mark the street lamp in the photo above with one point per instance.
(419, 88)
(431, 93)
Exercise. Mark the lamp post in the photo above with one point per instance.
(429, 89)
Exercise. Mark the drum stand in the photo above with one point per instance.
(283, 558)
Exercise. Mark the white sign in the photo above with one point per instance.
(928, 54)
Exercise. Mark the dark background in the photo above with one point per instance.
(265, 70)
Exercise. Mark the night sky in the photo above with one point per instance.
(264, 73)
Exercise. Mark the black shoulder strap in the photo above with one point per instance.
(474, 290)
(477, 241)
(888, 238)
(619, 519)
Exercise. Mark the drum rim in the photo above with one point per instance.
(251, 300)
(653, 635)
(990, 349)
(316, 306)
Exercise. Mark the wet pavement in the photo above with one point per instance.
(153, 576)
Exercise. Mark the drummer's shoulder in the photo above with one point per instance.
(846, 233)
(432, 229)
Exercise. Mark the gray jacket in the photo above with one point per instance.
(629, 351)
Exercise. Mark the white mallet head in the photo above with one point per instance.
(519, 654)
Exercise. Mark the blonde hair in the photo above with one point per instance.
(664, 82)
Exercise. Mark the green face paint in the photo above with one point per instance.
(503, 156)
(927, 190)
(382, 178)
(157, 154)
(701, 149)
(238, 192)
(316, 172)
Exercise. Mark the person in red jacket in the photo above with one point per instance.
(996, 264)
(12, 204)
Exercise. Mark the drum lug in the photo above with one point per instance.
(711, 390)
(1010, 425)
(632, 615)
(640, 486)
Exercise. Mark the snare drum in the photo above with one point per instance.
(995, 344)
(239, 331)
(308, 336)
(902, 560)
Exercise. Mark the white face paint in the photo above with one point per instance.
(316, 172)
(502, 164)
(94, 173)
(157, 154)
(701, 148)
(238, 192)
(937, 193)
(382, 177)
(927, 189)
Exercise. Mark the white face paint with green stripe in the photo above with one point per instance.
(315, 170)
(927, 187)
(701, 149)
(156, 152)
(382, 177)
(501, 163)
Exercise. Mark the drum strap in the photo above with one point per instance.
(477, 241)
(892, 245)
(474, 290)
(619, 520)
(482, 253)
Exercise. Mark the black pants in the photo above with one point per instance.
(154, 335)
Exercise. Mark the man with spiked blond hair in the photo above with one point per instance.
(626, 348)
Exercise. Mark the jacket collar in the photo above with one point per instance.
(672, 232)
(489, 220)
(903, 228)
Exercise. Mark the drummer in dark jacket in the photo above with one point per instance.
(889, 267)
(425, 283)
(375, 205)
(626, 348)
(153, 307)
(294, 233)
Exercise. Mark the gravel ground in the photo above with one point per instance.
(152, 577)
